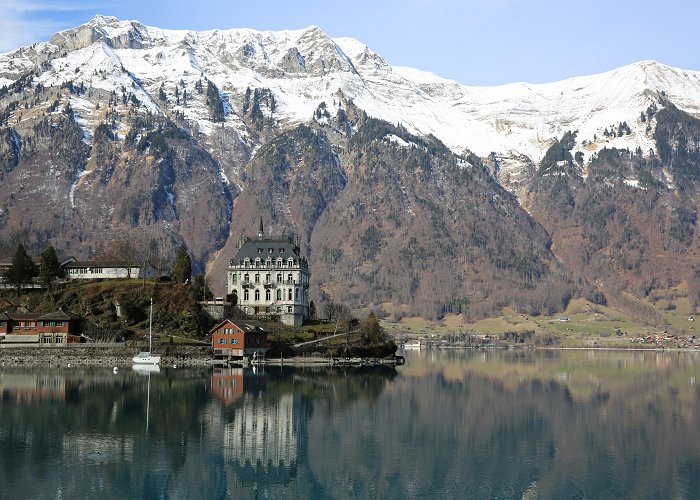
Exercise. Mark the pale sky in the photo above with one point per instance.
(476, 42)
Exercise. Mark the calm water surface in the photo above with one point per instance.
(448, 424)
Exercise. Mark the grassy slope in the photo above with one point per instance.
(587, 323)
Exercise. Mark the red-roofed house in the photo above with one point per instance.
(58, 327)
(242, 338)
(4, 324)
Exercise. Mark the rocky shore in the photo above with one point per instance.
(182, 356)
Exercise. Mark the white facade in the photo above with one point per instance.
(263, 433)
(104, 270)
(269, 277)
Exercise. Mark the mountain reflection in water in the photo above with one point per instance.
(449, 424)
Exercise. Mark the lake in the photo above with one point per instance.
(511, 424)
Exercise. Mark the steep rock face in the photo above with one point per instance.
(631, 223)
(155, 186)
(396, 217)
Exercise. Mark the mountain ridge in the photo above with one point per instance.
(512, 119)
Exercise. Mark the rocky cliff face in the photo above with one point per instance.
(117, 132)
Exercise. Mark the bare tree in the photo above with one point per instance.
(329, 310)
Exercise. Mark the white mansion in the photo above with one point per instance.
(269, 277)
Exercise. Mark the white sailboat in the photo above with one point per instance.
(148, 358)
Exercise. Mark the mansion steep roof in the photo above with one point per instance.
(266, 248)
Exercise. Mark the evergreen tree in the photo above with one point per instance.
(49, 269)
(201, 284)
(371, 330)
(22, 270)
(312, 310)
(182, 267)
(214, 102)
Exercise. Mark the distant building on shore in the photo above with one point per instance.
(59, 327)
(89, 270)
(269, 277)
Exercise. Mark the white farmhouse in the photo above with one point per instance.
(105, 270)
(269, 277)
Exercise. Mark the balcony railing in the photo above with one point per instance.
(271, 283)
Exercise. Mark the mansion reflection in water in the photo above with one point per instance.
(262, 432)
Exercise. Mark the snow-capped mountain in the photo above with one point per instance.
(116, 132)
(303, 68)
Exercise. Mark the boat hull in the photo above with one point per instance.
(146, 358)
(412, 345)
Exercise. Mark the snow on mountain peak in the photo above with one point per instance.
(305, 67)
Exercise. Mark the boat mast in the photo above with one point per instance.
(150, 327)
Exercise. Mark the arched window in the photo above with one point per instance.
(257, 295)
(279, 294)
(246, 295)
(246, 277)
(268, 295)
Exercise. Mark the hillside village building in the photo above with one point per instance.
(269, 277)
(105, 270)
(59, 327)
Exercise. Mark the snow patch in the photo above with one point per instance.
(71, 195)
(398, 140)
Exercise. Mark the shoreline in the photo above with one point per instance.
(551, 348)
(193, 357)
(180, 356)
(118, 356)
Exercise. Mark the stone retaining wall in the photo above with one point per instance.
(101, 356)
